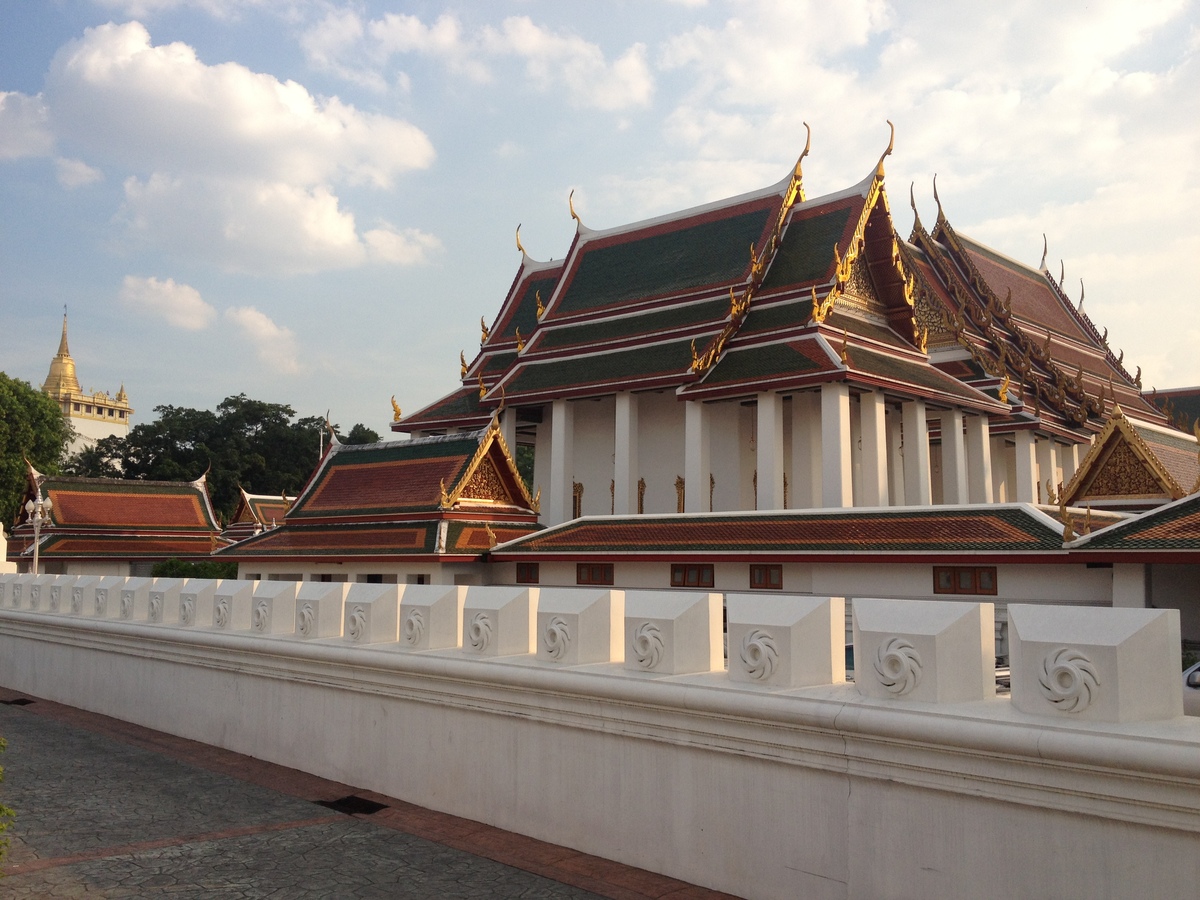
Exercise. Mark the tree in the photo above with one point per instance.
(246, 443)
(31, 426)
(360, 434)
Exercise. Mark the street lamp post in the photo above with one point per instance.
(39, 515)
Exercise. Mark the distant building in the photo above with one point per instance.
(94, 415)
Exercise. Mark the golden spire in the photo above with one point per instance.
(395, 409)
(61, 380)
(519, 245)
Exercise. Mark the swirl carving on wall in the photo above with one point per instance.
(307, 619)
(260, 616)
(356, 623)
(557, 637)
(898, 665)
(479, 633)
(1069, 680)
(759, 654)
(221, 613)
(648, 645)
(414, 627)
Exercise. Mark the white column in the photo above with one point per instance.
(979, 460)
(508, 429)
(916, 454)
(836, 485)
(873, 428)
(769, 439)
(696, 463)
(806, 451)
(895, 459)
(1001, 485)
(954, 458)
(625, 455)
(1024, 488)
(1068, 458)
(1047, 467)
(562, 452)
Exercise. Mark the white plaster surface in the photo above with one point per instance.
(233, 605)
(673, 632)
(196, 602)
(319, 606)
(578, 626)
(164, 600)
(815, 792)
(83, 596)
(273, 610)
(1099, 665)
(936, 651)
(135, 599)
(786, 641)
(431, 616)
(499, 621)
(372, 613)
(106, 598)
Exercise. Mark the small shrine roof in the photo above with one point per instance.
(90, 504)
(1172, 527)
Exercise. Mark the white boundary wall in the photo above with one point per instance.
(743, 786)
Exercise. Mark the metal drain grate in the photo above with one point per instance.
(20, 701)
(353, 806)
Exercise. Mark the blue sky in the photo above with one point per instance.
(313, 201)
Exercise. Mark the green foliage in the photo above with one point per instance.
(259, 446)
(178, 568)
(361, 434)
(31, 425)
(1191, 656)
(524, 463)
(6, 817)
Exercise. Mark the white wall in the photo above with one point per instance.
(814, 792)
(660, 449)
(592, 464)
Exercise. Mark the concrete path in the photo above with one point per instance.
(108, 809)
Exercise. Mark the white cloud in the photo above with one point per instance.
(230, 166)
(220, 9)
(406, 248)
(73, 173)
(23, 127)
(560, 62)
(179, 304)
(244, 226)
(275, 345)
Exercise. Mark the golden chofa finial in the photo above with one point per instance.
(483, 332)
(1062, 273)
(482, 386)
(395, 409)
(520, 341)
(462, 364)
(1045, 250)
(937, 199)
(1081, 293)
(520, 246)
(571, 206)
(888, 151)
(1004, 389)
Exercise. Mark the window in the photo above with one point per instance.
(417, 579)
(766, 577)
(527, 573)
(121, 414)
(75, 407)
(594, 573)
(964, 580)
(692, 575)
(87, 409)
(375, 578)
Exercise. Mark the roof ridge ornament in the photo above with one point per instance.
(395, 409)
(521, 246)
(938, 200)
(462, 364)
(484, 331)
(1081, 293)
(1062, 274)
(1045, 250)
(574, 215)
(888, 152)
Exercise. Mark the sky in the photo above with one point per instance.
(312, 202)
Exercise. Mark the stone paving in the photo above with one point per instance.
(107, 809)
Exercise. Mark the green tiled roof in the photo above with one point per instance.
(908, 372)
(759, 362)
(1175, 526)
(640, 362)
(525, 315)
(647, 323)
(708, 253)
(806, 253)
(461, 404)
(499, 362)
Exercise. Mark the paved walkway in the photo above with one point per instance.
(108, 809)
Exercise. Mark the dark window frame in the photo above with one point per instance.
(594, 573)
(692, 575)
(966, 580)
(528, 573)
(765, 582)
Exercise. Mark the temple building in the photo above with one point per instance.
(256, 513)
(93, 415)
(409, 512)
(772, 352)
(110, 526)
